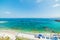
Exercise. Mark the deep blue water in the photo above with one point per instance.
(31, 24)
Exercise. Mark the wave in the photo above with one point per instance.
(3, 22)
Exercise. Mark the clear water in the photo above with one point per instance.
(30, 24)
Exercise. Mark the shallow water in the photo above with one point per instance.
(30, 24)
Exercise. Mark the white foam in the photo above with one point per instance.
(3, 22)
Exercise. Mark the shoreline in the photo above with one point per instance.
(23, 31)
(13, 34)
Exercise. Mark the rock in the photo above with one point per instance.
(57, 20)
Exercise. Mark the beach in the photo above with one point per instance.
(13, 35)
(29, 29)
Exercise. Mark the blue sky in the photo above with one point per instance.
(29, 8)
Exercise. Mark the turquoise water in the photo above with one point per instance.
(30, 24)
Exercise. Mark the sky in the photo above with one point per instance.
(29, 8)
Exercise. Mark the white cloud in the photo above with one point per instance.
(56, 5)
(38, 1)
(56, 0)
(7, 12)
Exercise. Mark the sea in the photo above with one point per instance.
(35, 25)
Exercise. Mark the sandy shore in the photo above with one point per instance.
(12, 34)
(9, 33)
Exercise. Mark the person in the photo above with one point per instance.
(54, 38)
(39, 36)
